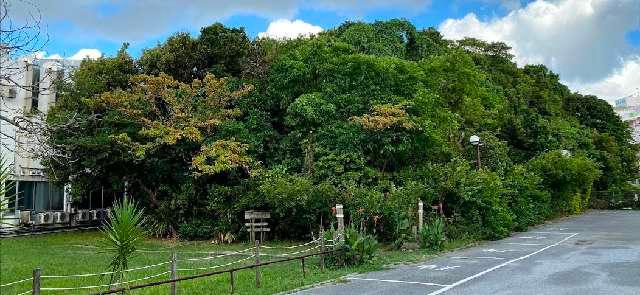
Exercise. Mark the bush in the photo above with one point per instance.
(432, 234)
(357, 248)
(528, 199)
(197, 230)
(569, 178)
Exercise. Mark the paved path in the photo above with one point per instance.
(594, 253)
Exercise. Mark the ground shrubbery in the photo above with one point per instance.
(374, 116)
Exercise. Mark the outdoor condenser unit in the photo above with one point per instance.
(39, 219)
(25, 217)
(61, 217)
(94, 214)
(82, 215)
(49, 217)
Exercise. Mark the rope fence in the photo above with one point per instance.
(253, 253)
(17, 282)
(294, 252)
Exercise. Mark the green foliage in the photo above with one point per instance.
(197, 230)
(569, 178)
(123, 235)
(357, 248)
(375, 116)
(432, 235)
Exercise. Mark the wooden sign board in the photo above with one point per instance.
(251, 214)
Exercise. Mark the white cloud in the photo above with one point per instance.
(86, 53)
(286, 29)
(583, 40)
(624, 81)
(142, 19)
(79, 55)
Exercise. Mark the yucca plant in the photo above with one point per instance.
(123, 234)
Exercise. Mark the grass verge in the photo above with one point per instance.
(78, 252)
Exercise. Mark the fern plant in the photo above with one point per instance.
(123, 234)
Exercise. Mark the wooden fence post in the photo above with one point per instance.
(340, 216)
(257, 263)
(174, 273)
(321, 248)
(232, 281)
(303, 272)
(35, 287)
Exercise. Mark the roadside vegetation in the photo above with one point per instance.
(374, 116)
(81, 253)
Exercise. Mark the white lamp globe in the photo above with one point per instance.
(474, 139)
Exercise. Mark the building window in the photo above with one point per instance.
(40, 196)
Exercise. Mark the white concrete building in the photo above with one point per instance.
(628, 108)
(27, 90)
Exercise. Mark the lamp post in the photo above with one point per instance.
(475, 140)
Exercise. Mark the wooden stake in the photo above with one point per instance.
(174, 273)
(35, 287)
(257, 264)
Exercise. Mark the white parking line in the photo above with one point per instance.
(525, 244)
(533, 238)
(551, 232)
(397, 281)
(499, 251)
(477, 257)
(460, 282)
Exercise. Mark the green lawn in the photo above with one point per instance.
(78, 253)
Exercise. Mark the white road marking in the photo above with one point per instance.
(533, 238)
(460, 282)
(499, 251)
(526, 244)
(551, 232)
(448, 267)
(397, 281)
(478, 257)
(431, 266)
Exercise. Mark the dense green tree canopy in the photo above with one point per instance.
(373, 115)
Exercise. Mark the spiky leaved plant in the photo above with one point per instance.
(123, 234)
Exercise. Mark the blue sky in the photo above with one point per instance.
(593, 44)
(429, 14)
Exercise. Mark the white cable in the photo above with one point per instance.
(101, 286)
(25, 292)
(217, 256)
(298, 252)
(103, 273)
(291, 247)
(216, 266)
(16, 282)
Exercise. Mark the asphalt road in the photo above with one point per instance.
(594, 253)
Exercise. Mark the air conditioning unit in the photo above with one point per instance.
(39, 219)
(94, 214)
(61, 217)
(25, 217)
(82, 215)
(49, 217)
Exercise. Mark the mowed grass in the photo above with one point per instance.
(79, 253)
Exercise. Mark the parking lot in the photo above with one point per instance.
(594, 253)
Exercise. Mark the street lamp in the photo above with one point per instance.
(475, 140)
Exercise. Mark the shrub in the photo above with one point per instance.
(357, 248)
(432, 234)
(197, 230)
(528, 199)
(569, 178)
